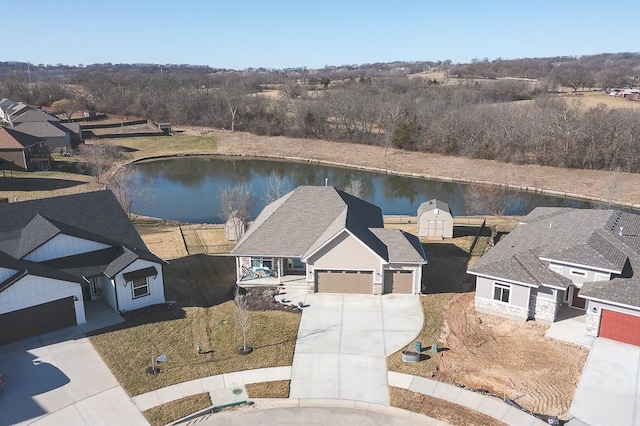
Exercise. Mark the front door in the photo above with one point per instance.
(576, 302)
(96, 288)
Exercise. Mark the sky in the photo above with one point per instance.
(241, 34)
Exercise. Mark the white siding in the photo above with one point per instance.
(32, 291)
(126, 302)
(108, 292)
(63, 245)
(5, 273)
(346, 252)
(444, 228)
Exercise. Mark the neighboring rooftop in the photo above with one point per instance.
(433, 204)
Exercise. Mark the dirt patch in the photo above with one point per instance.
(508, 358)
(262, 299)
(439, 409)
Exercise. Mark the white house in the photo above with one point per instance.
(58, 254)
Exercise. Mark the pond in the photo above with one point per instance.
(186, 188)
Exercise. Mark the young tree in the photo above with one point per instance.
(243, 320)
(489, 199)
(236, 202)
(133, 196)
(354, 187)
(276, 187)
(99, 159)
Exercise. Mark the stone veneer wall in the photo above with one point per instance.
(505, 310)
(592, 323)
(544, 309)
(377, 289)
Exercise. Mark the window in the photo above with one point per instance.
(260, 262)
(578, 273)
(501, 292)
(140, 287)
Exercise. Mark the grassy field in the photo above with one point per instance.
(439, 409)
(277, 389)
(174, 410)
(204, 316)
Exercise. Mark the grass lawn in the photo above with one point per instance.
(174, 410)
(203, 287)
(277, 389)
(439, 409)
(148, 146)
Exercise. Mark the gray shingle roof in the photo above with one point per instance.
(31, 114)
(42, 129)
(303, 220)
(96, 216)
(402, 247)
(299, 223)
(592, 238)
(433, 204)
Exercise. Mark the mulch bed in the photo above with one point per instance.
(262, 299)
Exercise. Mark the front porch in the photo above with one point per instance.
(285, 280)
(569, 326)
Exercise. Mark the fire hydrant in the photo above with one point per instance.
(198, 349)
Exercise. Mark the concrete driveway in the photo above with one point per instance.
(607, 392)
(59, 378)
(343, 341)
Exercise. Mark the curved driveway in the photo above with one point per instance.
(343, 341)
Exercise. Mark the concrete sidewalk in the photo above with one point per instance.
(482, 403)
(211, 384)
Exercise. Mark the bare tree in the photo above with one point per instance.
(99, 159)
(354, 187)
(66, 107)
(243, 320)
(612, 186)
(276, 187)
(489, 199)
(236, 203)
(133, 195)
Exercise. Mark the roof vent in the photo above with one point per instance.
(436, 211)
(621, 230)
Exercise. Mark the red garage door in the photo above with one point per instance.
(621, 327)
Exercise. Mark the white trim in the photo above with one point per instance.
(504, 286)
(578, 265)
(509, 281)
(608, 302)
(133, 290)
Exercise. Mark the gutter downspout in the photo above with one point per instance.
(115, 288)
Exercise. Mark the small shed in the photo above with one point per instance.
(234, 227)
(435, 220)
(165, 128)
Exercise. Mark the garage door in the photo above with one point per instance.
(352, 282)
(37, 320)
(621, 327)
(398, 282)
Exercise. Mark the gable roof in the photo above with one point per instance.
(401, 247)
(595, 239)
(31, 114)
(304, 219)
(24, 268)
(95, 216)
(43, 129)
(14, 139)
(432, 205)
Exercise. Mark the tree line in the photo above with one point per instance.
(370, 104)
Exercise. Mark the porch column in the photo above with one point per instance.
(279, 270)
(238, 273)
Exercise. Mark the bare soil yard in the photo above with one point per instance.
(509, 358)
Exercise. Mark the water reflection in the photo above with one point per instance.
(186, 189)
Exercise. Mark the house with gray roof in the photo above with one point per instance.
(60, 255)
(56, 135)
(20, 151)
(435, 220)
(333, 242)
(581, 259)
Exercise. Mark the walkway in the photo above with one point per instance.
(488, 405)
(343, 341)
